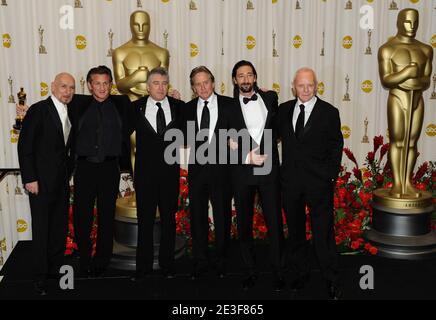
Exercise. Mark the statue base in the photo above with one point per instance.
(126, 237)
(401, 228)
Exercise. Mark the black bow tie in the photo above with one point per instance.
(253, 98)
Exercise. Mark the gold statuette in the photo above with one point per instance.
(19, 115)
(349, 5)
(11, 96)
(433, 94)
(78, 4)
(42, 49)
(365, 138)
(368, 49)
(250, 5)
(405, 67)
(4, 3)
(133, 60)
(111, 41)
(17, 188)
(347, 94)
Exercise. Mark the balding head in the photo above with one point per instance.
(305, 84)
(63, 87)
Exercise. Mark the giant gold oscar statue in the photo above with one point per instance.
(401, 226)
(132, 62)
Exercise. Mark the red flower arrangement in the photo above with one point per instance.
(352, 197)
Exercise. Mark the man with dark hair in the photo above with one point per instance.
(101, 137)
(208, 180)
(312, 143)
(44, 157)
(255, 113)
(156, 180)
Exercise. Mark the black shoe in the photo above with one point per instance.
(98, 272)
(197, 271)
(279, 283)
(249, 282)
(299, 283)
(168, 273)
(40, 287)
(140, 276)
(333, 290)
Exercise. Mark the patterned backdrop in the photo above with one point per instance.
(338, 38)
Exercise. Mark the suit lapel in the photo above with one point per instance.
(268, 109)
(55, 117)
(313, 116)
(142, 110)
(291, 117)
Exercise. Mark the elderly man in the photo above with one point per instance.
(43, 154)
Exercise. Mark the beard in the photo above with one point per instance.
(246, 87)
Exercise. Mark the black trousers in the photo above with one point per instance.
(202, 188)
(150, 195)
(49, 213)
(320, 203)
(270, 201)
(95, 181)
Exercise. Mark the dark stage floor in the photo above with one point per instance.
(393, 279)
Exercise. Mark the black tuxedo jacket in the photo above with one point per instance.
(218, 170)
(42, 153)
(150, 147)
(318, 155)
(243, 173)
(79, 105)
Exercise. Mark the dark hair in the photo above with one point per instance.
(239, 64)
(159, 70)
(99, 70)
(199, 69)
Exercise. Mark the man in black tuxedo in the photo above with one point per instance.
(156, 180)
(310, 130)
(257, 169)
(44, 157)
(101, 144)
(208, 179)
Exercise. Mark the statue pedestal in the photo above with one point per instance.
(126, 235)
(401, 228)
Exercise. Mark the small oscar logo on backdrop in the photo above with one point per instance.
(393, 5)
(42, 49)
(347, 84)
(349, 5)
(346, 132)
(192, 5)
(7, 41)
(250, 5)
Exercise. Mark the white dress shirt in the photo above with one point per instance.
(308, 107)
(151, 111)
(63, 115)
(255, 113)
(213, 111)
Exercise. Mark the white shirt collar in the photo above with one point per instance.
(308, 105)
(153, 102)
(210, 100)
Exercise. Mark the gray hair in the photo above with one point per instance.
(159, 70)
(305, 69)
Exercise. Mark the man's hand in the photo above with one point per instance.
(21, 110)
(175, 94)
(233, 145)
(32, 187)
(256, 159)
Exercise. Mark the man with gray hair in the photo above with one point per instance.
(312, 143)
(156, 181)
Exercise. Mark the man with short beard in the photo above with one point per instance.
(256, 112)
